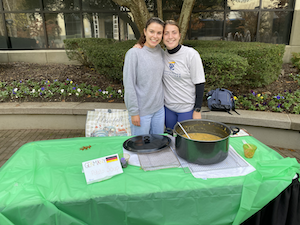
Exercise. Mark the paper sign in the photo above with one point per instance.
(241, 133)
(102, 168)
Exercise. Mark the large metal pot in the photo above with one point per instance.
(202, 152)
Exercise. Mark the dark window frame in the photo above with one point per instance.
(43, 11)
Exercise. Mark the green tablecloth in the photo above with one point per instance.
(43, 183)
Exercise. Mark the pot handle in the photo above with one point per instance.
(169, 131)
(235, 130)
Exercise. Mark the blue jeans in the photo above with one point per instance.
(172, 117)
(150, 124)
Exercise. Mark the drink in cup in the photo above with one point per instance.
(249, 150)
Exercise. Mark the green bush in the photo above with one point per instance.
(109, 59)
(225, 63)
(296, 59)
(265, 60)
(223, 70)
(76, 48)
(265, 63)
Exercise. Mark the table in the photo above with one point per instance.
(43, 183)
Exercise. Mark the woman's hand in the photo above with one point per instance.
(196, 115)
(135, 120)
(137, 46)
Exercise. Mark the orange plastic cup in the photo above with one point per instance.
(249, 150)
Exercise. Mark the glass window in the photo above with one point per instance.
(206, 26)
(55, 5)
(277, 4)
(275, 27)
(99, 4)
(242, 4)
(3, 44)
(18, 5)
(241, 26)
(25, 30)
(172, 4)
(209, 5)
(60, 26)
(98, 25)
(172, 16)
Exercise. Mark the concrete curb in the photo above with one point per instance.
(276, 129)
(246, 117)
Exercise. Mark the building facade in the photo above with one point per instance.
(44, 24)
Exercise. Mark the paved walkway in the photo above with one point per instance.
(12, 140)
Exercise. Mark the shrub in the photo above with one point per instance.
(109, 59)
(265, 63)
(76, 48)
(225, 63)
(265, 60)
(296, 59)
(223, 70)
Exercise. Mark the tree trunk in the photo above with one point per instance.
(159, 9)
(185, 16)
(138, 10)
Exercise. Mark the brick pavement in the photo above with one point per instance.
(12, 140)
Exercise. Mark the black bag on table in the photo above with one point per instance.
(221, 100)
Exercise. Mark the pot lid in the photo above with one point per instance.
(147, 143)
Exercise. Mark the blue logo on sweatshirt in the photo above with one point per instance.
(171, 65)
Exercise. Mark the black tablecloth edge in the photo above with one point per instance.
(283, 210)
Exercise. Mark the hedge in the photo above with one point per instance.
(225, 63)
(264, 60)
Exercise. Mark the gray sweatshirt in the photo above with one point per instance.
(142, 78)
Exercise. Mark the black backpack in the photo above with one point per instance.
(221, 100)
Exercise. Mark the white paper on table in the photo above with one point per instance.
(102, 168)
(241, 133)
(217, 170)
(134, 158)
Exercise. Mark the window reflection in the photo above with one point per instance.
(275, 27)
(128, 28)
(172, 4)
(277, 4)
(206, 26)
(24, 23)
(242, 4)
(172, 16)
(25, 30)
(98, 4)
(54, 5)
(3, 43)
(241, 26)
(208, 5)
(18, 5)
(60, 26)
(98, 25)
(105, 25)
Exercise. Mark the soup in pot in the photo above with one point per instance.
(202, 137)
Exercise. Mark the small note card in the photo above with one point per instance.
(102, 168)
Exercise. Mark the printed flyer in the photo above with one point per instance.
(102, 168)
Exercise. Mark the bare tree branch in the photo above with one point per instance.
(139, 11)
(185, 16)
(159, 9)
(141, 14)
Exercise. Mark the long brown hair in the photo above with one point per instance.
(142, 39)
